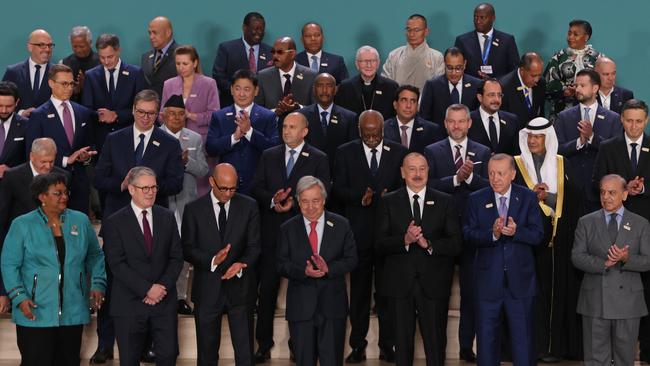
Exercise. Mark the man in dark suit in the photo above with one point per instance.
(12, 128)
(315, 58)
(247, 52)
(458, 166)
(489, 52)
(524, 89)
(29, 75)
(278, 171)
(365, 170)
(419, 235)
(503, 222)
(82, 58)
(330, 125)
(70, 125)
(239, 133)
(315, 252)
(451, 88)
(159, 64)
(491, 126)
(581, 129)
(367, 90)
(223, 256)
(109, 88)
(407, 128)
(610, 95)
(144, 253)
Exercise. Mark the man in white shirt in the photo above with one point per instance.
(610, 96)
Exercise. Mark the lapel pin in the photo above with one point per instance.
(330, 224)
(387, 148)
(156, 143)
(489, 205)
(74, 231)
(299, 76)
(645, 149)
(495, 43)
(334, 121)
(125, 73)
(420, 129)
(83, 124)
(430, 203)
(51, 115)
(378, 92)
(305, 154)
(600, 116)
(19, 138)
(520, 88)
(467, 85)
(151, 56)
(471, 154)
(324, 64)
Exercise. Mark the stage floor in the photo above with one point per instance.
(285, 362)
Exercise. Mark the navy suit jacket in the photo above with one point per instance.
(95, 95)
(508, 134)
(514, 101)
(503, 56)
(329, 63)
(424, 133)
(350, 95)
(232, 56)
(162, 154)
(436, 97)
(618, 97)
(19, 74)
(14, 150)
(245, 154)
(166, 70)
(516, 253)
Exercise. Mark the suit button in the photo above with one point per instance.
(621, 287)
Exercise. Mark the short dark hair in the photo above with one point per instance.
(454, 51)
(57, 68)
(630, 104)
(147, 95)
(245, 74)
(252, 16)
(528, 58)
(42, 182)
(9, 89)
(488, 5)
(418, 16)
(302, 31)
(411, 88)
(581, 23)
(593, 75)
(106, 40)
(481, 85)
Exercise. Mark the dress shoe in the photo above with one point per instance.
(357, 355)
(549, 358)
(101, 356)
(148, 356)
(184, 308)
(387, 354)
(467, 355)
(262, 356)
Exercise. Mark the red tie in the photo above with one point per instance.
(313, 237)
(146, 230)
(252, 62)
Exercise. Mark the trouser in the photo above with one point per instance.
(132, 334)
(50, 346)
(609, 339)
(318, 340)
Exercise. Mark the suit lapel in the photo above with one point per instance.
(57, 125)
(599, 120)
(136, 230)
(642, 164)
(301, 159)
(447, 156)
(209, 220)
(14, 127)
(152, 147)
(623, 230)
(514, 204)
(234, 214)
(428, 212)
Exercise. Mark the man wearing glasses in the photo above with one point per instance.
(30, 74)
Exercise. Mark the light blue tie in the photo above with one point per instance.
(503, 208)
(291, 162)
(586, 115)
(314, 63)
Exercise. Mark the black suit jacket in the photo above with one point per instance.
(514, 101)
(503, 57)
(326, 295)
(349, 95)
(402, 268)
(436, 97)
(618, 97)
(19, 74)
(134, 271)
(351, 179)
(329, 63)
(14, 150)
(201, 242)
(166, 70)
(508, 135)
(424, 133)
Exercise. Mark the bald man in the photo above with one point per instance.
(221, 238)
(31, 75)
(158, 63)
(524, 89)
(610, 95)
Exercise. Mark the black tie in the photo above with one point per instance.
(633, 158)
(416, 210)
(493, 135)
(455, 96)
(374, 166)
(139, 150)
(287, 85)
(612, 228)
(323, 121)
(37, 79)
(222, 220)
(111, 84)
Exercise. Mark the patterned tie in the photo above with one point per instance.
(633, 157)
(287, 85)
(111, 83)
(313, 237)
(222, 220)
(612, 227)
(67, 123)
(416, 210)
(458, 159)
(503, 208)
(139, 150)
(2, 135)
(314, 63)
(374, 165)
(323, 121)
(37, 79)
(146, 230)
(252, 64)
(404, 137)
(291, 162)
(585, 116)
(494, 140)
(529, 104)
(455, 95)
(157, 60)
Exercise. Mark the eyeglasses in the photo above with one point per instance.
(43, 45)
(368, 62)
(413, 30)
(280, 52)
(458, 68)
(66, 84)
(142, 114)
(59, 194)
(226, 189)
(147, 189)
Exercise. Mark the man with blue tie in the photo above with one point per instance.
(315, 58)
(30, 75)
(12, 128)
(504, 224)
(524, 90)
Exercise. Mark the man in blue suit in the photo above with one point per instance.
(489, 52)
(12, 129)
(610, 95)
(70, 126)
(240, 132)
(581, 129)
(247, 53)
(109, 88)
(315, 58)
(504, 224)
(29, 75)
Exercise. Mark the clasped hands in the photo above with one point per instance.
(465, 170)
(243, 122)
(282, 201)
(500, 227)
(616, 254)
(286, 105)
(414, 235)
(321, 267)
(635, 186)
(366, 199)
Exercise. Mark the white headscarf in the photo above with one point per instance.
(548, 171)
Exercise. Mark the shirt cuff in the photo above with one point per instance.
(455, 179)
(240, 273)
(494, 238)
(272, 203)
(578, 145)
(232, 140)
(249, 134)
(213, 267)
(407, 247)
(469, 179)
(64, 162)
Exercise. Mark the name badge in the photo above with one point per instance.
(192, 95)
(334, 121)
(387, 148)
(627, 226)
(324, 64)
(83, 124)
(262, 57)
(467, 85)
(486, 69)
(305, 154)
(299, 76)
(156, 143)
(51, 115)
(645, 149)
(19, 138)
(185, 138)
(470, 153)
(378, 92)
(229, 114)
(419, 129)
(74, 231)
(430, 203)
(125, 73)
(151, 56)
(495, 43)
(503, 122)
(330, 224)
(520, 88)
(600, 116)
(489, 205)
(191, 149)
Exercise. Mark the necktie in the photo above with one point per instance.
(585, 116)
(139, 150)
(494, 140)
(252, 62)
(503, 208)
(458, 159)
(633, 158)
(2, 135)
(111, 83)
(287, 85)
(455, 95)
(37, 79)
(222, 219)
(612, 227)
(290, 162)
(314, 63)
(67, 123)
(146, 230)
(157, 60)
(416, 210)
(404, 137)
(529, 104)
(374, 166)
(486, 48)
(313, 237)
(323, 121)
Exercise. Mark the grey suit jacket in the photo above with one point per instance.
(270, 86)
(196, 167)
(616, 292)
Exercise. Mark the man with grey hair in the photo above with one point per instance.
(317, 302)
(82, 59)
(367, 90)
(610, 95)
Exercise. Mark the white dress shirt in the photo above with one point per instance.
(485, 117)
(318, 55)
(138, 213)
(291, 72)
(32, 73)
(136, 138)
(629, 141)
(116, 75)
(328, 110)
(421, 196)
(458, 86)
(592, 117)
(7, 126)
(368, 153)
(59, 110)
(497, 201)
(409, 130)
(217, 211)
(481, 39)
(530, 90)
(606, 99)
(463, 154)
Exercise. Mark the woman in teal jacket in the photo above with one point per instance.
(47, 257)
